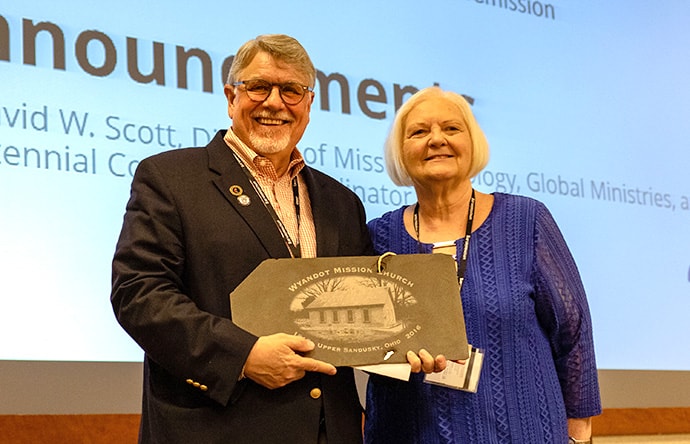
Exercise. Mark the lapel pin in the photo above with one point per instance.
(244, 200)
(235, 190)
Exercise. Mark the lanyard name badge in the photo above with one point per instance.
(458, 376)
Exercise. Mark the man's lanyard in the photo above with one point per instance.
(294, 248)
(462, 263)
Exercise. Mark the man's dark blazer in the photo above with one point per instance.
(186, 243)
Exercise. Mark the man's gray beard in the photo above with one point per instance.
(269, 144)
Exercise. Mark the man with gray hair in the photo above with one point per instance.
(198, 221)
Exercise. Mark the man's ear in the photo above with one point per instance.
(311, 99)
(229, 91)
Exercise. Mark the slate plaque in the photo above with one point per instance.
(357, 310)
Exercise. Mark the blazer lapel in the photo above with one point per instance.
(234, 185)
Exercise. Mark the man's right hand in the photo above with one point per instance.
(274, 360)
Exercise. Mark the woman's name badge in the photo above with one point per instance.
(460, 376)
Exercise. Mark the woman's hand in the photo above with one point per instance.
(424, 362)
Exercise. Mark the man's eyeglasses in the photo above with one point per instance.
(258, 90)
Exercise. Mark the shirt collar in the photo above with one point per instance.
(259, 164)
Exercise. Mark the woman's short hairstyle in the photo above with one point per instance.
(396, 136)
(279, 46)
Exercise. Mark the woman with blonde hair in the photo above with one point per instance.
(523, 299)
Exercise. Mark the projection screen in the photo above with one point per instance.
(585, 105)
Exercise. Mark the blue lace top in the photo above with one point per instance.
(525, 306)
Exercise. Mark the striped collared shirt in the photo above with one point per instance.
(278, 190)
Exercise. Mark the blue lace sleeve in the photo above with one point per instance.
(564, 315)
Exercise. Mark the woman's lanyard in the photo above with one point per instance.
(462, 263)
(294, 247)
